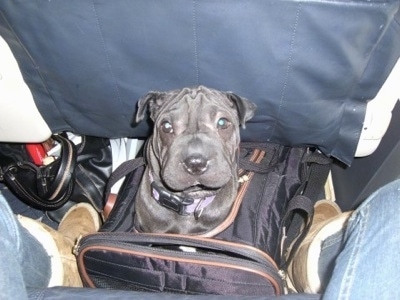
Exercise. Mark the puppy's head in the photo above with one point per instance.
(195, 136)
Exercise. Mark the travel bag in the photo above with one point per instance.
(245, 255)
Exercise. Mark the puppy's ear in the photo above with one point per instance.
(151, 101)
(245, 107)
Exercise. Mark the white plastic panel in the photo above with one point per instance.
(379, 114)
(20, 120)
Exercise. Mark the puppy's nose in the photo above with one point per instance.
(196, 164)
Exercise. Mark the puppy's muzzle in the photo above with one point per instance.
(196, 164)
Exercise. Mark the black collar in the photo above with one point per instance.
(183, 205)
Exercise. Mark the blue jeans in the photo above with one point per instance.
(367, 266)
(24, 262)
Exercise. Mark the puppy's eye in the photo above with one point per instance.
(167, 127)
(223, 123)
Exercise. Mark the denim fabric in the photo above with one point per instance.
(12, 284)
(368, 267)
(24, 261)
(330, 250)
(35, 262)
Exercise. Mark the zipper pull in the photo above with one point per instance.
(283, 276)
(244, 178)
(75, 249)
(288, 287)
(283, 240)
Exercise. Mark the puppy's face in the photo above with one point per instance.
(195, 137)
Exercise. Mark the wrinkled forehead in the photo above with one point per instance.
(199, 99)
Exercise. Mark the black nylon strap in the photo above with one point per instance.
(319, 167)
(121, 171)
(297, 220)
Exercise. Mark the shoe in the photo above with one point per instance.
(81, 219)
(303, 270)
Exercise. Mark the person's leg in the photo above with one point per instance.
(368, 266)
(80, 219)
(24, 261)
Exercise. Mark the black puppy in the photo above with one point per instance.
(191, 180)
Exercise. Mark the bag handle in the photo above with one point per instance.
(66, 170)
(120, 172)
(61, 187)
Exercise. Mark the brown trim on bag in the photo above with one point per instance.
(212, 240)
(256, 157)
(111, 199)
(87, 280)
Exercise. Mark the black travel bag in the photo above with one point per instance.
(245, 255)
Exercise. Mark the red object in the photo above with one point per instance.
(37, 153)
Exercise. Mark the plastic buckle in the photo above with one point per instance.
(173, 202)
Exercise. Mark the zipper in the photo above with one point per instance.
(256, 157)
(123, 238)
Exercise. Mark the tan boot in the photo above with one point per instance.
(303, 273)
(81, 219)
